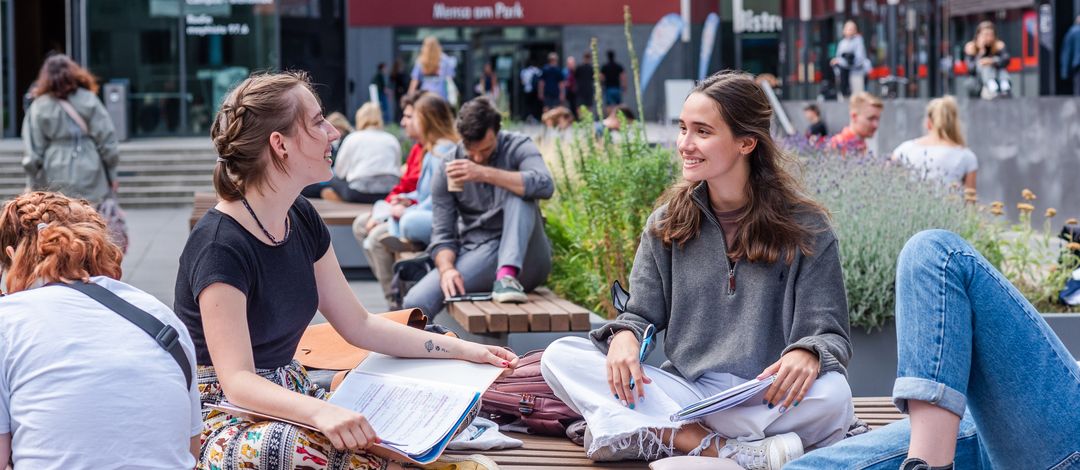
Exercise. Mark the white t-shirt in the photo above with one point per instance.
(937, 162)
(83, 388)
(369, 160)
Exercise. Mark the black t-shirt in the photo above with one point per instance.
(818, 129)
(279, 281)
(583, 76)
(612, 72)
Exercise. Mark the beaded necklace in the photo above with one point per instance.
(288, 227)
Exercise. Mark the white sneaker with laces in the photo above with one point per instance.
(770, 453)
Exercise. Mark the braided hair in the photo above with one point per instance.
(259, 106)
(55, 238)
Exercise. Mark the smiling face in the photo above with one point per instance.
(308, 148)
(709, 150)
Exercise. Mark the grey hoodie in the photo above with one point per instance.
(737, 319)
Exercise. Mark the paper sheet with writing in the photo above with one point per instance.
(415, 414)
(443, 371)
(724, 400)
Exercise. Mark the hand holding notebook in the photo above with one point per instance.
(724, 400)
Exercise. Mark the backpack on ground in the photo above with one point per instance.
(407, 273)
(525, 398)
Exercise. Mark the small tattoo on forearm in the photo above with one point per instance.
(431, 346)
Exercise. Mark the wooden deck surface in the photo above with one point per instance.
(542, 453)
(544, 311)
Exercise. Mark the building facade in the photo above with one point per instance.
(177, 58)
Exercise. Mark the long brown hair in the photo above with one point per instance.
(257, 107)
(768, 224)
(56, 238)
(60, 77)
(435, 119)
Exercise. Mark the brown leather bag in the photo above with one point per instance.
(322, 347)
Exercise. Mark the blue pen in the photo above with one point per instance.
(646, 340)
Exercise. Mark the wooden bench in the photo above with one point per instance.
(332, 212)
(552, 452)
(544, 311)
(338, 217)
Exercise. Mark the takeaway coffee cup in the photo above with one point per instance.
(453, 185)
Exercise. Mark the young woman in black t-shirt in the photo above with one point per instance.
(252, 275)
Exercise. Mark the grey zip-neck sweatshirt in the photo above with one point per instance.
(735, 317)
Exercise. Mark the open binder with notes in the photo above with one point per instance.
(414, 405)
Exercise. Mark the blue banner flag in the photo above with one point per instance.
(708, 38)
(663, 36)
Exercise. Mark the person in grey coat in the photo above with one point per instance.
(60, 155)
(742, 272)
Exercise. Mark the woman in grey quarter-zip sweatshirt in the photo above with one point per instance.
(743, 274)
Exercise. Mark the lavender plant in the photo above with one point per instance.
(875, 207)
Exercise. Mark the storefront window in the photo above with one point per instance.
(138, 43)
(224, 43)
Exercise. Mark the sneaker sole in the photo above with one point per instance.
(510, 298)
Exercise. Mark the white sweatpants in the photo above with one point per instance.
(576, 372)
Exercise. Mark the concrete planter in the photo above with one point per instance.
(873, 365)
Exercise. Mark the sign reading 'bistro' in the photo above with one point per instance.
(498, 11)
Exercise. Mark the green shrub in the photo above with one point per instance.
(606, 191)
(876, 206)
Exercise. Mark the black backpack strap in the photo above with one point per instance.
(165, 335)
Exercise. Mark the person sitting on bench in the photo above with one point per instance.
(488, 233)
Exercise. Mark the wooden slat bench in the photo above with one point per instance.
(552, 452)
(332, 212)
(338, 217)
(544, 311)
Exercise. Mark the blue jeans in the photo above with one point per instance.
(414, 225)
(612, 96)
(969, 341)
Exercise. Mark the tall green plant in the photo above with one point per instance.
(628, 22)
(607, 187)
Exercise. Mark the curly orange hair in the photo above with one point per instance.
(54, 238)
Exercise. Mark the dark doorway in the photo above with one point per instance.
(313, 40)
(40, 29)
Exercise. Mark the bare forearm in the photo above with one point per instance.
(511, 181)
(445, 259)
(248, 390)
(394, 339)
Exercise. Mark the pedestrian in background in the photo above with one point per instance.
(987, 58)
(530, 82)
(583, 80)
(70, 141)
(368, 163)
(434, 71)
(382, 89)
(1070, 57)
(941, 154)
(552, 89)
(399, 81)
(571, 84)
(489, 83)
(817, 129)
(614, 80)
(850, 62)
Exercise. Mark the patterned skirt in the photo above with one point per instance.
(231, 442)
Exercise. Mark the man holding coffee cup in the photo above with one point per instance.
(487, 232)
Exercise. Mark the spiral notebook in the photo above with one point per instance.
(724, 400)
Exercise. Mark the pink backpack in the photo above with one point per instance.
(523, 395)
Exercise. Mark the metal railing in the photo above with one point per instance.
(778, 109)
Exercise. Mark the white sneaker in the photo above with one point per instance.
(770, 453)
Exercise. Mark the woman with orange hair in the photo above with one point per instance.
(80, 386)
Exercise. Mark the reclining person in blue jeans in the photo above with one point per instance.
(985, 381)
(488, 234)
